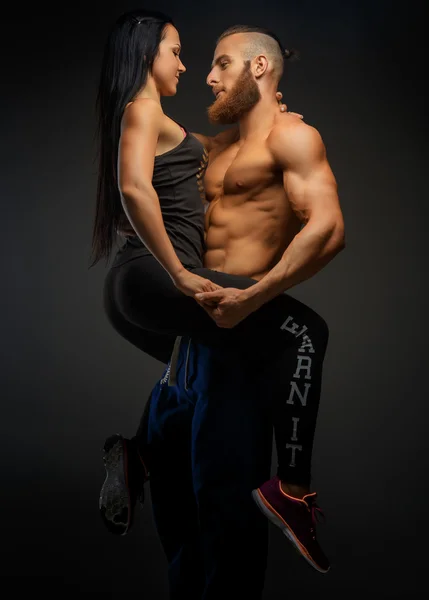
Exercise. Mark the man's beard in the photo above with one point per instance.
(230, 107)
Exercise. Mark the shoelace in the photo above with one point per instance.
(315, 512)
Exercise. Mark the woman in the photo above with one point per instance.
(150, 170)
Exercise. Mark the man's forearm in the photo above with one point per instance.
(308, 253)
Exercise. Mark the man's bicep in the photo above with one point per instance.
(308, 179)
(312, 192)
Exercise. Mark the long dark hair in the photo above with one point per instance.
(129, 53)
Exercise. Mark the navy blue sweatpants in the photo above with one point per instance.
(210, 443)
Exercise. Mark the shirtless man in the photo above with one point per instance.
(273, 217)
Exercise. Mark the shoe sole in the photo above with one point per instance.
(267, 510)
(115, 502)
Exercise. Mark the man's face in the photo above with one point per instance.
(232, 82)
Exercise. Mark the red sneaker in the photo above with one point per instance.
(296, 518)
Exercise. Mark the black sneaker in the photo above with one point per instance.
(125, 478)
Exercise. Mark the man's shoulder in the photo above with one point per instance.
(290, 127)
(290, 134)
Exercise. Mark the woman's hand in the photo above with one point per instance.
(191, 284)
(283, 107)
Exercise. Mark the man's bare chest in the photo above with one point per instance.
(239, 169)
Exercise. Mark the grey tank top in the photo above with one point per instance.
(178, 181)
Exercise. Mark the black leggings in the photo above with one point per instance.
(284, 339)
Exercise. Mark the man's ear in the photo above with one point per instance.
(260, 65)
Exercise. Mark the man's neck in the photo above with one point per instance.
(259, 119)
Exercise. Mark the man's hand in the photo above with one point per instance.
(227, 306)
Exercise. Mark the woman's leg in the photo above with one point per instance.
(156, 345)
(287, 338)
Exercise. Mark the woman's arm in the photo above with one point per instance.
(141, 126)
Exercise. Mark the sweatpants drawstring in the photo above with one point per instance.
(186, 364)
(172, 369)
(173, 361)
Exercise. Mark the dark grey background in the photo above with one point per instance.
(68, 379)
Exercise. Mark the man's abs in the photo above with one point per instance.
(247, 238)
(249, 222)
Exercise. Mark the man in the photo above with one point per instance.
(274, 217)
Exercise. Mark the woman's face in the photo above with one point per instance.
(167, 66)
